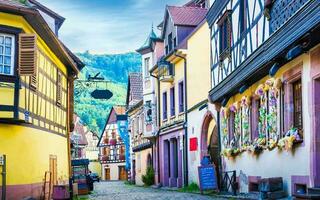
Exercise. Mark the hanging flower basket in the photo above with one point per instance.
(113, 141)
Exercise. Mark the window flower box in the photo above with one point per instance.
(112, 141)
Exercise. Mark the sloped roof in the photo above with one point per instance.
(135, 88)
(120, 110)
(79, 129)
(152, 37)
(37, 22)
(187, 16)
(15, 3)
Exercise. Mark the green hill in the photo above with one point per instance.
(114, 68)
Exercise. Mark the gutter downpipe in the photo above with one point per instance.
(159, 121)
(185, 125)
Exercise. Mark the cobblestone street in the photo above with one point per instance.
(119, 191)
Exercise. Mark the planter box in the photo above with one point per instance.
(271, 184)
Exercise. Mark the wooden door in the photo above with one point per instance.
(107, 174)
(53, 169)
(122, 173)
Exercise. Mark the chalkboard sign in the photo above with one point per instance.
(207, 177)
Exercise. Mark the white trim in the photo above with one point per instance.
(12, 53)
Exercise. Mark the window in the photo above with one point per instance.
(181, 97)
(148, 111)
(231, 126)
(33, 82)
(164, 106)
(141, 120)
(59, 88)
(146, 66)
(255, 118)
(137, 125)
(243, 16)
(7, 49)
(297, 105)
(172, 102)
(224, 24)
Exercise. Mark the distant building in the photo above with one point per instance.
(112, 147)
(36, 86)
(141, 152)
(78, 139)
(178, 23)
(151, 51)
(92, 152)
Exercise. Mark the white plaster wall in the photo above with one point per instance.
(195, 120)
(114, 170)
(149, 93)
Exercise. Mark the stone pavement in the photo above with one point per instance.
(119, 191)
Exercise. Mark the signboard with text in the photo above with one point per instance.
(207, 177)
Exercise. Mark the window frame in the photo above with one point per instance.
(181, 96)
(172, 102)
(294, 99)
(223, 22)
(13, 52)
(290, 76)
(164, 106)
(146, 67)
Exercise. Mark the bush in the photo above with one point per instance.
(148, 178)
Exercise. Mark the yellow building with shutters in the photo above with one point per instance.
(36, 95)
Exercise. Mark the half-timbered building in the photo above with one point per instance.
(36, 89)
(112, 149)
(264, 87)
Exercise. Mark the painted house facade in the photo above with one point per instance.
(141, 151)
(264, 87)
(36, 86)
(151, 52)
(112, 147)
(178, 23)
(78, 139)
(92, 152)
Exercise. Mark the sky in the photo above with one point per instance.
(108, 26)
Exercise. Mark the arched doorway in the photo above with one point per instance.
(210, 142)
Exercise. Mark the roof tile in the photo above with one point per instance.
(187, 16)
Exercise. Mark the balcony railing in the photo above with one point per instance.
(282, 10)
(112, 158)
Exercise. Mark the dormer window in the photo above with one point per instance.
(224, 24)
(7, 49)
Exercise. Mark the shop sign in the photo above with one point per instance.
(207, 177)
(193, 143)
